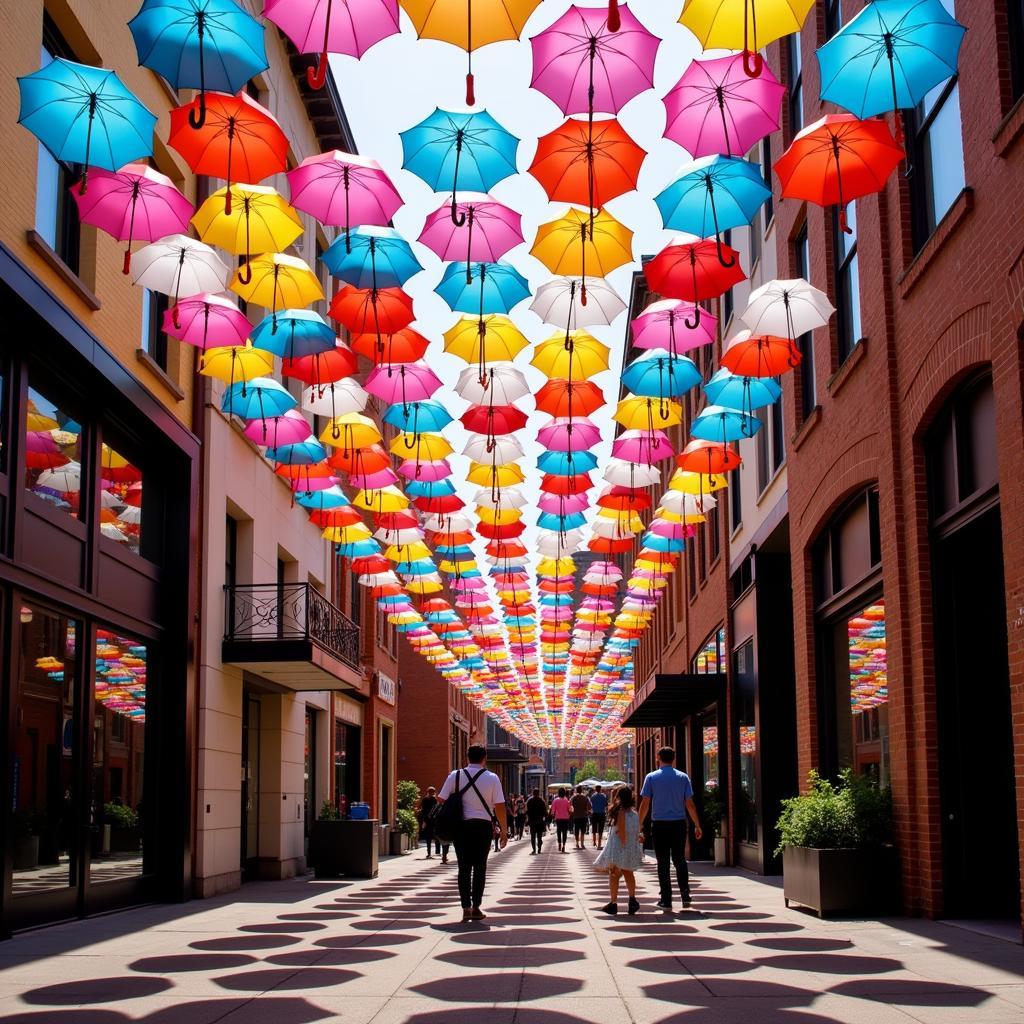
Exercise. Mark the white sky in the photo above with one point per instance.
(401, 80)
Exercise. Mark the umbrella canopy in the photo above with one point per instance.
(503, 384)
(578, 357)
(85, 115)
(482, 340)
(715, 107)
(366, 311)
(199, 44)
(294, 333)
(236, 363)
(469, 25)
(406, 384)
(493, 420)
(708, 457)
(743, 393)
(663, 325)
(569, 398)
(716, 423)
(404, 346)
(336, 398)
(838, 159)
(135, 202)
(261, 398)
(787, 308)
(372, 257)
(584, 66)
(648, 414)
(207, 321)
(578, 240)
(558, 302)
(289, 428)
(694, 271)
(414, 416)
(276, 280)
(481, 231)
(320, 368)
(482, 288)
(660, 376)
(179, 266)
(760, 355)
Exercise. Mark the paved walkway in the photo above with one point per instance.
(388, 950)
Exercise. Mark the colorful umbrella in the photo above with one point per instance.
(406, 384)
(261, 398)
(239, 140)
(493, 338)
(716, 108)
(333, 26)
(761, 355)
(175, 37)
(404, 346)
(336, 398)
(134, 202)
(85, 115)
(577, 357)
(206, 320)
(788, 308)
(293, 333)
(558, 302)
(290, 427)
(236, 363)
(343, 189)
(481, 231)
(503, 384)
(276, 280)
(447, 143)
(715, 423)
(372, 257)
(365, 311)
(319, 369)
(482, 288)
(663, 324)
(469, 25)
(746, 394)
(838, 159)
(694, 271)
(566, 398)
(661, 376)
(179, 266)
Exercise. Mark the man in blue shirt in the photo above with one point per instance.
(668, 794)
(598, 810)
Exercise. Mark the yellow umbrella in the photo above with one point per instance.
(483, 474)
(231, 363)
(455, 567)
(277, 281)
(407, 552)
(469, 24)
(696, 483)
(348, 534)
(424, 587)
(584, 357)
(262, 221)
(382, 499)
(744, 25)
(35, 421)
(556, 567)
(493, 338)
(427, 447)
(498, 516)
(352, 430)
(578, 244)
(648, 413)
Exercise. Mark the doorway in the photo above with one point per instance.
(250, 839)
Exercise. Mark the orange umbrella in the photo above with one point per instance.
(365, 311)
(404, 346)
(569, 398)
(708, 457)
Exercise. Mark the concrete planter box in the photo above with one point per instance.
(721, 851)
(399, 842)
(841, 881)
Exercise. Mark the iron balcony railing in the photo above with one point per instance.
(265, 612)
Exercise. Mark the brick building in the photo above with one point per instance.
(890, 509)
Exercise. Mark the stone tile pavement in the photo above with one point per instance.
(391, 950)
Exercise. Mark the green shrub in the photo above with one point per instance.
(714, 808)
(408, 794)
(120, 816)
(854, 813)
(407, 823)
(328, 812)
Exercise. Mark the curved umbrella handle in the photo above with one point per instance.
(175, 318)
(197, 115)
(726, 261)
(614, 21)
(753, 63)
(126, 266)
(245, 273)
(316, 74)
(696, 318)
(470, 91)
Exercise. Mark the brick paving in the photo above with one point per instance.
(391, 951)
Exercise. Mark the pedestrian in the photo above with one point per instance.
(520, 815)
(483, 815)
(561, 811)
(624, 853)
(580, 816)
(598, 809)
(536, 815)
(668, 794)
(428, 804)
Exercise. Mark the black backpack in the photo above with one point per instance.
(448, 817)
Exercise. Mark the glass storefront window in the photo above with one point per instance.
(709, 658)
(862, 698)
(746, 713)
(44, 783)
(120, 500)
(53, 454)
(709, 739)
(117, 808)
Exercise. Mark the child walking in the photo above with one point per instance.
(623, 853)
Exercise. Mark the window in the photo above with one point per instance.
(702, 551)
(355, 612)
(766, 173)
(120, 500)
(735, 500)
(755, 240)
(154, 338)
(56, 213)
(778, 434)
(714, 533)
(1015, 26)
(746, 713)
(709, 658)
(796, 83)
(53, 452)
(771, 446)
(833, 17)
(728, 302)
(938, 155)
(691, 566)
(808, 392)
(847, 281)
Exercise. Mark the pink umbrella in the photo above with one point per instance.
(404, 383)
(373, 481)
(716, 108)
(484, 232)
(312, 483)
(569, 435)
(429, 471)
(677, 531)
(134, 202)
(289, 428)
(563, 504)
(468, 583)
(343, 189)
(333, 26)
(643, 446)
(663, 325)
(585, 68)
(207, 321)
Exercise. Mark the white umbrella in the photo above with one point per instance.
(179, 266)
(404, 536)
(505, 385)
(454, 521)
(787, 309)
(111, 531)
(377, 579)
(557, 302)
(131, 514)
(506, 449)
(66, 479)
(611, 528)
(508, 498)
(552, 545)
(336, 399)
(108, 500)
(623, 473)
(687, 504)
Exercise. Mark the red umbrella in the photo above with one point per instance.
(708, 457)
(578, 483)
(239, 141)
(346, 515)
(607, 546)
(371, 459)
(404, 346)
(625, 499)
(493, 420)
(365, 311)
(837, 159)
(322, 367)
(370, 564)
(501, 531)
(440, 505)
(564, 398)
(693, 271)
(760, 355)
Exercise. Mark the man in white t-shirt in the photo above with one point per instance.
(482, 802)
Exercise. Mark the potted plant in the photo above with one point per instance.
(715, 816)
(406, 831)
(326, 840)
(836, 845)
(124, 828)
(25, 839)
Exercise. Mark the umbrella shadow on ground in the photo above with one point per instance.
(365, 941)
(508, 986)
(282, 979)
(180, 963)
(697, 966)
(520, 937)
(801, 944)
(911, 992)
(95, 990)
(231, 943)
(286, 1010)
(498, 957)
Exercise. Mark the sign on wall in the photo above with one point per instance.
(386, 688)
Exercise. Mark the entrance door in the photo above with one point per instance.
(250, 850)
(979, 828)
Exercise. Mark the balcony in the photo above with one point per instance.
(291, 635)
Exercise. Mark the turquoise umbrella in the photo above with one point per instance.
(426, 416)
(293, 333)
(372, 257)
(715, 423)
(489, 287)
(85, 115)
(746, 394)
(258, 399)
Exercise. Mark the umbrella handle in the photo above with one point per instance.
(197, 115)
(126, 266)
(316, 74)
(753, 64)
(696, 318)
(470, 91)
(614, 21)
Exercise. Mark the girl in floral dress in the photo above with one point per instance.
(623, 853)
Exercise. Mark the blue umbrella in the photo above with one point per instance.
(653, 542)
(889, 56)
(359, 548)
(421, 567)
(293, 333)
(329, 497)
(493, 287)
(426, 416)
(446, 144)
(715, 193)
(257, 399)
(560, 524)
(85, 115)
(733, 391)
(301, 453)
(661, 376)
(371, 257)
(176, 38)
(429, 488)
(567, 463)
(715, 423)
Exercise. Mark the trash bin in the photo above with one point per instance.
(344, 848)
(384, 835)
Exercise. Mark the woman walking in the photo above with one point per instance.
(520, 815)
(623, 853)
(561, 811)
(536, 813)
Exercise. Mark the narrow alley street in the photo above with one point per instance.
(390, 951)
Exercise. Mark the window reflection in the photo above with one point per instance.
(120, 500)
(709, 737)
(868, 683)
(709, 658)
(53, 469)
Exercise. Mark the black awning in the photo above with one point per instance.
(673, 697)
(505, 755)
